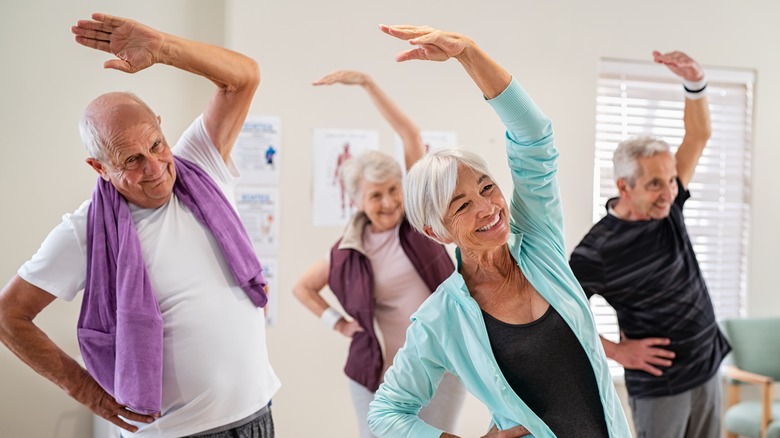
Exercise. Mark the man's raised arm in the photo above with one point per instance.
(138, 46)
(697, 112)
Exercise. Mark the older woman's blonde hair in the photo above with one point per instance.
(371, 166)
(430, 184)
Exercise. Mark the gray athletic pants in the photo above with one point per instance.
(692, 414)
(258, 425)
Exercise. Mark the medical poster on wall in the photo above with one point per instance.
(270, 267)
(258, 207)
(433, 140)
(257, 152)
(332, 147)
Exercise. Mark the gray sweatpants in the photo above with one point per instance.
(691, 414)
(442, 412)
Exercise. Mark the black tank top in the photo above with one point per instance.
(548, 369)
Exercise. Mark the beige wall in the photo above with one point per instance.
(552, 48)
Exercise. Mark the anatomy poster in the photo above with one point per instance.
(257, 152)
(258, 208)
(332, 147)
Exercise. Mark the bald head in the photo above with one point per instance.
(128, 149)
(108, 116)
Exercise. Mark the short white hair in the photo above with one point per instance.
(430, 185)
(624, 161)
(371, 166)
(91, 139)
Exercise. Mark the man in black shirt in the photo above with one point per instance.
(640, 259)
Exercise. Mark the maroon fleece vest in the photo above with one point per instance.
(352, 281)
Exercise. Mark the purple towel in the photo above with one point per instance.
(120, 328)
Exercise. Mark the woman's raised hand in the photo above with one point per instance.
(432, 44)
(346, 77)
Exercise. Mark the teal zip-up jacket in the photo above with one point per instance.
(448, 332)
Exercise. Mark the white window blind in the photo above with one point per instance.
(640, 98)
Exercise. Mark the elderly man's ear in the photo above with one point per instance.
(99, 168)
(429, 232)
(623, 186)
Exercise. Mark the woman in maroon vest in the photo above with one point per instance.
(381, 270)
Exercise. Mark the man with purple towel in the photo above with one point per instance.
(171, 330)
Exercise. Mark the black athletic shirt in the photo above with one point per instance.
(648, 272)
(546, 366)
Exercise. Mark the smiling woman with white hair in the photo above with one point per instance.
(380, 270)
(512, 322)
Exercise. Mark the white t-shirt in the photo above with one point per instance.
(215, 360)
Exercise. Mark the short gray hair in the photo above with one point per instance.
(371, 166)
(625, 159)
(430, 185)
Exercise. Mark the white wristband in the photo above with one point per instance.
(695, 89)
(330, 317)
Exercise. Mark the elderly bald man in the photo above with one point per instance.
(168, 271)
